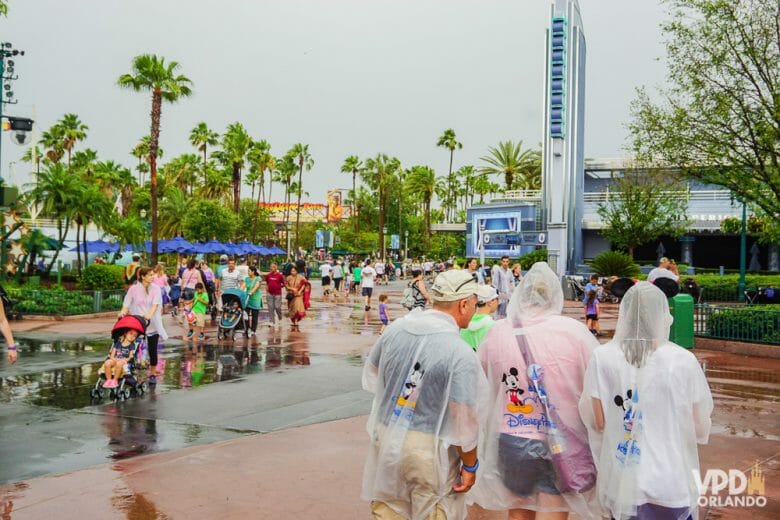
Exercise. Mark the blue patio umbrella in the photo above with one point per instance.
(95, 246)
(276, 250)
(213, 247)
(262, 250)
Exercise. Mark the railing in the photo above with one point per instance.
(717, 195)
(52, 302)
(753, 324)
(518, 195)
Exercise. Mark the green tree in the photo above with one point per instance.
(719, 119)
(36, 244)
(173, 210)
(353, 165)
(448, 140)
(217, 185)
(181, 171)
(52, 140)
(119, 179)
(141, 152)
(207, 220)
(422, 183)
(126, 230)
(151, 73)
(642, 208)
(303, 160)
(201, 137)
(521, 169)
(260, 160)
(378, 173)
(73, 131)
(253, 224)
(33, 155)
(235, 146)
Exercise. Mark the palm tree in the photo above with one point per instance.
(235, 146)
(468, 176)
(141, 152)
(422, 183)
(173, 209)
(202, 137)
(51, 140)
(353, 165)
(56, 192)
(449, 141)
(73, 131)
(217, 185)
(126, 230)
(180, 171)
(509, 159)
(378, 173)
(303, 160)
(151, 73)
(33, 155)
(36, 244)
(260, 160)
(286, 170)
(91, 206)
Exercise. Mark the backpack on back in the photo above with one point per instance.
(407, 300)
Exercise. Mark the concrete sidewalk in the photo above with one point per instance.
(315, 471)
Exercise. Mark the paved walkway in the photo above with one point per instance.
(314, 471)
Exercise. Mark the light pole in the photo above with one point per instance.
(384, 243)
(289, 228)
(7, 66)
(481, 244)
(742, 250)
(406, 244)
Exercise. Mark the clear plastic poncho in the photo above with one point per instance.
(656, 406)
(428, 388)
(535, 444)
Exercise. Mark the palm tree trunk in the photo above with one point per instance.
(78, 246)
(254, 221)
(153, 145)
(428, 224)
(236, 187)
(204, 163)
(84, 244)
(298, 215)
(354, 202)
(62, 235)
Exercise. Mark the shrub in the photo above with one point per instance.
(101, 277)
(754, 323)
(614, 263)
(539, 255)
(726, 288)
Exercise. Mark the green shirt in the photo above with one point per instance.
(356, 274)
(475, 333)
(255, 300)
(200, 303)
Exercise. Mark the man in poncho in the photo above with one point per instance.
(423, 426)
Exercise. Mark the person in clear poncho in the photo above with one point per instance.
(535, 362)
(424, 424)
(646, 404)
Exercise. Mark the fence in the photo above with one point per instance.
(755, 324)
(59, 302)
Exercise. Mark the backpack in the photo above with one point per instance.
(407, 300)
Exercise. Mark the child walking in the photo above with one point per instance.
(200, 304)
(592, 313)
(383, 312)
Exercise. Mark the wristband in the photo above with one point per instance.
(471, 469)
(11, 347)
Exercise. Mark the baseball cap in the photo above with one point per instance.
(486, 294)
(223, 258)
(450, 286)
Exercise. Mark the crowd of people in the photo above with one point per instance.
(493, 397)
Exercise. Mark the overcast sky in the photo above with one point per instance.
(344, 76)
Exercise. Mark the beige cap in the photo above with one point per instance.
(454, 285)
(486, 293)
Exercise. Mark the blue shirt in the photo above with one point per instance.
(589, 287)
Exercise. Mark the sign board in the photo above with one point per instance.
(395, 242)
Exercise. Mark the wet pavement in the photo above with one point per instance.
(267, 427)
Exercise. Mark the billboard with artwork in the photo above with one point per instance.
(503, 229)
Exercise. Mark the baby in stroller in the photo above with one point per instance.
(232, 318)
(125, 356)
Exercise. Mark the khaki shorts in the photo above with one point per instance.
(200, 320)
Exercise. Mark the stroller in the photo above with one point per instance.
(232, 318)
(130, 384)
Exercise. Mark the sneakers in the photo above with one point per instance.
(110, 383)
(189, 333)
(201, 336)
(368, 308)
(250, 334)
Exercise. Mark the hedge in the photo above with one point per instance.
(60, 302)
(101, 277)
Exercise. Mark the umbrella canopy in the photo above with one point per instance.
(276, 250)
(96, 246)
(262, 250)
(174, 245)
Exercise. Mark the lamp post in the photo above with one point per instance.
(384, 243)
(481, 244)
(406, 244)
(742, 251)
(7, 67)
(289, 228)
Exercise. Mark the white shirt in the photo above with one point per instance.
(325, 270)
(367, 276)
(338, 272)
(380, 269)
(230, 279)
(661, 272)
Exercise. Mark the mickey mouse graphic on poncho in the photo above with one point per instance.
(408, 392)
(632, 423)
(512, 382)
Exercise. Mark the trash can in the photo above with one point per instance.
(681, 332)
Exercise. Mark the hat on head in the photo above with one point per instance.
(451, 286)
(223, 258)
(486, 294)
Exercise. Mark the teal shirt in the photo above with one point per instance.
(255, 300)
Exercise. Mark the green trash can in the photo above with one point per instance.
(681, 332)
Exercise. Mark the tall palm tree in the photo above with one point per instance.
(141, 152)
(201, 137)
(235, 146)
(509, 159)
(151, 73)
(378, 173)
(217, 185)
(34, 156)
(73, 131)
(467, 175)
(353, 165)
(126, 230)
(51, 140)
(173, 209)
(181, 171)
(422, 182)
(56, 192)
(260, 160)
(36, 244)
(287, 168)
(119, 180)
(449, 141)
(304, 160)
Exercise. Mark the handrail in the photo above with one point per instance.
(604, 196)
